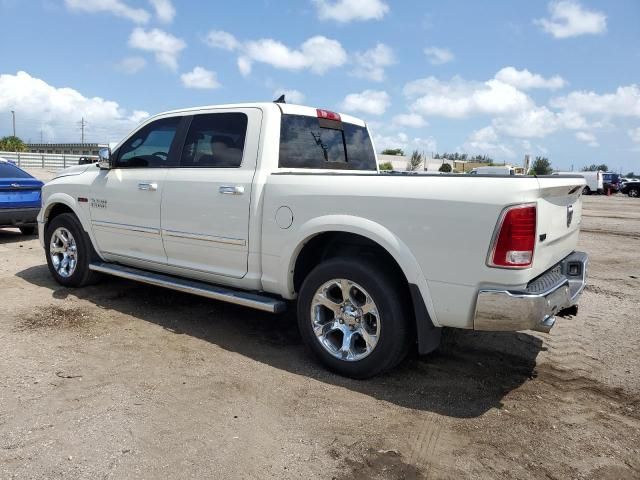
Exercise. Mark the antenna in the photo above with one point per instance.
(280, 99)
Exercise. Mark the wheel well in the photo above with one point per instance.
(58, 209)
(334, 244)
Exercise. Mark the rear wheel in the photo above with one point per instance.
(634, 192)
(69, 251)
(28, 230)
(586, 191)
(354, 318)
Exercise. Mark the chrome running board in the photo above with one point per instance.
(239, 297)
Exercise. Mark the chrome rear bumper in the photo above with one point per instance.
(535, 307)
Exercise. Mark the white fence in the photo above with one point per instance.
(43, 160)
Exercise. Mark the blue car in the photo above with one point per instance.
(19, 198)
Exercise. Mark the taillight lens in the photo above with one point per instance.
(515, 242)
(326, 114)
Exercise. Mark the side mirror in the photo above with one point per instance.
(104, 158)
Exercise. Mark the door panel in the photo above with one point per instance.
(125, 212)
(125, 201)
(205, 207)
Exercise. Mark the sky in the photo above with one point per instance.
(502, 78)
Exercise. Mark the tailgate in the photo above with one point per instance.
(20, 193)
(559, 219)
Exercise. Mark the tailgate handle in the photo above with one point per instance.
(231, 189)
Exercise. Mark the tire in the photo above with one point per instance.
(389, 319)
(78, 247)
(634, 192)
(28, 230)
(586, 191)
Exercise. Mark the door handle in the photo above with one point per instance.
(231, 189)
(148, 186)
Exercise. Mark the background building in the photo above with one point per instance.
(66, 148)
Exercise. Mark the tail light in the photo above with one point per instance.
(515, 238)
(327, 115)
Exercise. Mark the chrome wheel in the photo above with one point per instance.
(63, 252)
(345, 320)
(634, 192)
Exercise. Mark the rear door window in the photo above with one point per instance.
(215, 140)
(306, 143)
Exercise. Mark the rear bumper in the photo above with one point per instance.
(18, 216)
(535, 307)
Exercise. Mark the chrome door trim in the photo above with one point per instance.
(205, 238)
(123, 226)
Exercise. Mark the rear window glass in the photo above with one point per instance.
(306, 144)
(7, 170)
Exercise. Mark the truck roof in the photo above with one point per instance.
(286, 108)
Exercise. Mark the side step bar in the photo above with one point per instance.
(239, 297)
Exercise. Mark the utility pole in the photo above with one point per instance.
(82, 125)
(41, 135)
(13, 115)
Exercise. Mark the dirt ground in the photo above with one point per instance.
(121, 380)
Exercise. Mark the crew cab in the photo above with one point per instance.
(267, 205)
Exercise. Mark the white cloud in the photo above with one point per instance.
(244, 65)
(317, 54)
(56, 110)
(371, 63)
(138, 116)
(625, 101)
(570, 19)
(345, 11)
(588, 138)
(525, 80)
(406, 143)
(486, 134)
(372, 102)
(459, 98)
(634, 134)
(200, 78)
(131, 65)
(291, 96)
(115, 7)
(412, 120)
(438, 56)
(165, 11)
(221, 39)
(165, 46)
(534, 122)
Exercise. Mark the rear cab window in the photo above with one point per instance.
(320, 143)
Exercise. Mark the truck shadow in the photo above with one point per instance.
(468, 375)
(13, 235)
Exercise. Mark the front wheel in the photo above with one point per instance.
(634, 192)
(354, 318)
(69, 251)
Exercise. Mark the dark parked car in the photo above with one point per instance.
(611, 181)
(631, 188)
(19, 198)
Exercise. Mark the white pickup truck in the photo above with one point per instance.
(266, 203)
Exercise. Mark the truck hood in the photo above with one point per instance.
(75, 170)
